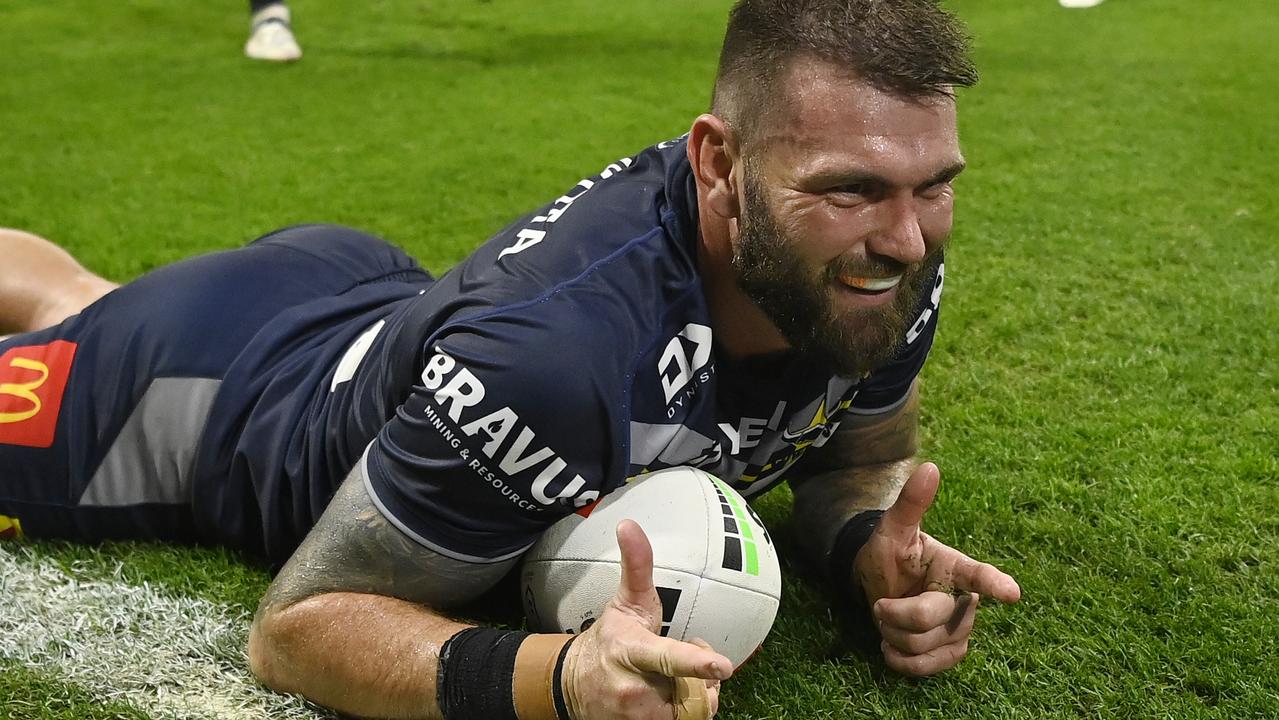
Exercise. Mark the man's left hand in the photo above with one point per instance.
(923, 594)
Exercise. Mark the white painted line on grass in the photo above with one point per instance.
(172, 657)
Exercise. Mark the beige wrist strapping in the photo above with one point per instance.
(691, 699)
(536, 683)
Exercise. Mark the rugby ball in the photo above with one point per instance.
(714, 565)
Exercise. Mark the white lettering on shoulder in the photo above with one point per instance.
(535, 231)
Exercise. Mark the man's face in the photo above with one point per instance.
(847, 202)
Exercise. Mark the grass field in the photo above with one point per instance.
(1103, 399)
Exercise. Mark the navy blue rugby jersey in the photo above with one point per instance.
(575, 350)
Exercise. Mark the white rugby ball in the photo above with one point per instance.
(714, 564)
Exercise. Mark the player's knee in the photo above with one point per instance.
(70, 299)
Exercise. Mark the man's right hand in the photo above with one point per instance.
(620, 668)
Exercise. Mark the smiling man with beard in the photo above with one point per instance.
(756, 298)
(801, 301)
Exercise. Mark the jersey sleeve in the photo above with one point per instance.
(511, 426)
(888, 386)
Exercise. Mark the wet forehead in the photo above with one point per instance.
(832, 118)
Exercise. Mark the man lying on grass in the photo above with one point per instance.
(755, 299)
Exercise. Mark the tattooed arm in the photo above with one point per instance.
(348, 621)
(923, 594)
(862, 467)
(351, 622)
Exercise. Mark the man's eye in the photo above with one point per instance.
(935, 190)
(853, 189)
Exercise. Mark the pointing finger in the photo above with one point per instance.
(984, 578)
(706, 646)
(672, 658)
(916, 496)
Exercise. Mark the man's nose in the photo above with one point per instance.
(900, 236)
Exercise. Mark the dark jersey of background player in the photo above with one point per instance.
(570, 352)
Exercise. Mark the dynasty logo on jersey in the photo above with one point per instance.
(682, 361)
(32, 380)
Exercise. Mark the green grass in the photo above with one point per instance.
(1103, 398)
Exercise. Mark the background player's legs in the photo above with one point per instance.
(104, 417)
(41, 284)
(271, 32)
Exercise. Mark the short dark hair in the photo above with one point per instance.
(908, 48)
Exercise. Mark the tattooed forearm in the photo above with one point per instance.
(353, 548)
(825, 502)
(866, 441)
(862, 467)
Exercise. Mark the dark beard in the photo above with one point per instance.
(801, 305)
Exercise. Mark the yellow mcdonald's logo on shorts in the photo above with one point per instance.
(32, 380)
(25, 391)
(10, 528)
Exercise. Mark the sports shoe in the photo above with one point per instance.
(271, 37)
(1080, 3)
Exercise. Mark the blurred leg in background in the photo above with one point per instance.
(271, 33)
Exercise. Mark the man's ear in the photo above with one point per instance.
(714, 155)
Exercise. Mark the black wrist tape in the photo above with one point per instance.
(557, 682)
(851, 538)
(477, 666)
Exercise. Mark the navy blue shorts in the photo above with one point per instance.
(102, 416)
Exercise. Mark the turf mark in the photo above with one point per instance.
(171, 657)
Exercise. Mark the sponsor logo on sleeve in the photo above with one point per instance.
(32, 380)
(496, 443)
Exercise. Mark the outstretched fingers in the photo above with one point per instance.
(662, 655)
(985, 579)
(672, 658)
